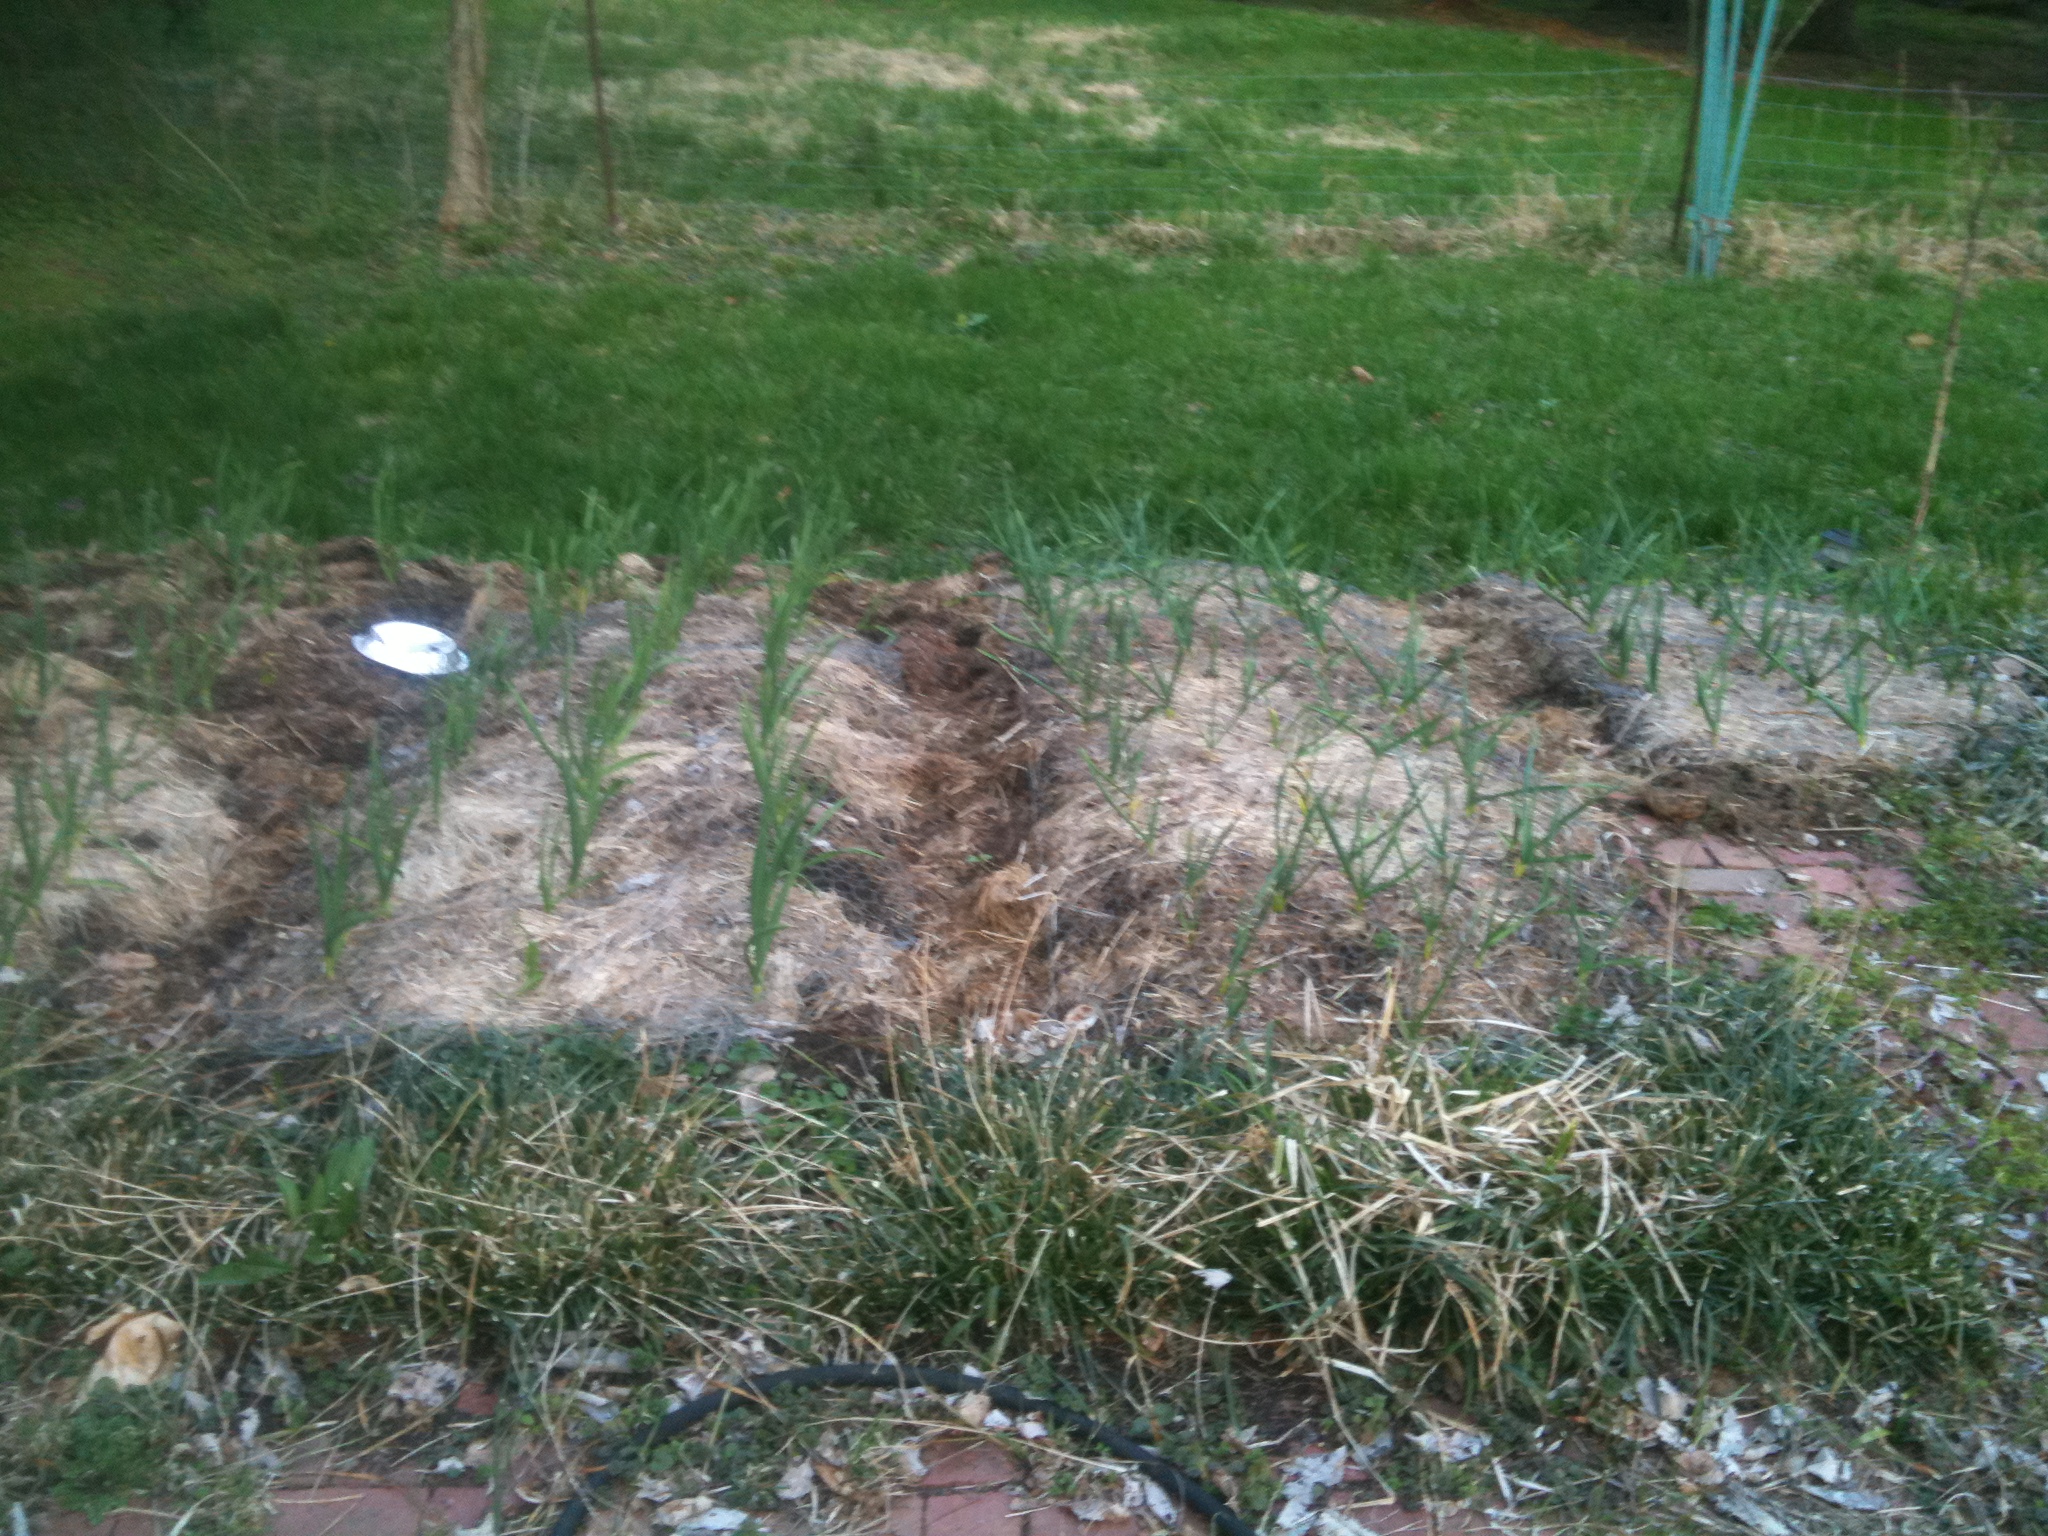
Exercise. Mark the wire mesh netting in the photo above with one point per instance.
(274, 108)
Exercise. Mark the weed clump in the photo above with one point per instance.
(1710, 1176)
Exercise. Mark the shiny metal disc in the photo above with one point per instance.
(416, 649)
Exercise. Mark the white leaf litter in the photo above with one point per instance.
(699, 1514)
(1740, 1506)
(1756, 1453)
(1215, 1279)
(899, 1397)
(1660, 1399)
(1878, 1406)
(275, 1376)
(600, 1358)
(429, 1387)
(1990, 1450)
(912, 1460)
(1302, 1483)
(973, 1408)
(654, 1490)
(797, 1481)
(1036, 1037)
(1032, 1426)
(1827, 1467)
(1851, 1498)
(450, 1466)
(488, 1526)
(1453, 1442)
(1098, 1510)
(1141, 1492)
(976, 1409)
(753, 1353)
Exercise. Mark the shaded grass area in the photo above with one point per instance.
(1213, 389)
(211, 257)
(1080, 107)
(1664, 1183)
(1708, 1181)
(1995, 45)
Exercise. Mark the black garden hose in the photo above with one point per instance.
(752, 1390)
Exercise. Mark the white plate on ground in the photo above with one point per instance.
(418, 650)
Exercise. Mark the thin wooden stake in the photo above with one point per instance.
(1696, 27)
(604, 127)
(1955, 339)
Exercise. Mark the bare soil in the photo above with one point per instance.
(1030, 845)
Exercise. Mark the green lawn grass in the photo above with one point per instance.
(217, 252)
(1089, 107)
(1213, 388)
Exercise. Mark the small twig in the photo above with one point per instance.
(604, 129)
(1955, 336)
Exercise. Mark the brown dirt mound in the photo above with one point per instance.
(1196, 794)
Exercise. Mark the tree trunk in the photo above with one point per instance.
(466, 199)
(1830, 29)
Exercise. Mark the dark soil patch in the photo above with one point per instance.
(1774, 804)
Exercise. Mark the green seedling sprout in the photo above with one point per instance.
(334, 851)
(1367, 847)
(1272, 896)
(386, 823)
(48, 818)
(789, 837)
(584, 743)
(1852, 708)
(1710, 692)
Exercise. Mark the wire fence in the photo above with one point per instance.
(310, 122)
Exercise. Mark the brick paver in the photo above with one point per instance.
(966, 1461)
(1893, 889)
(1806, 858)
(1783, 884)
(378, 1509)
(1730, 882)
(2018, 1019)
(906, 1516)
(1058, 1520)
(1686, 852)
(970, 1514)
(1737, 855)
(1828, 880)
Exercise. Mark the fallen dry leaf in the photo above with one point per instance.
(1919, 339)
(796, 1481)
(1361, 375)
(1674, 804)
(834, 1478)
(141, 1348)
(427, 1388)
(973, 1408)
